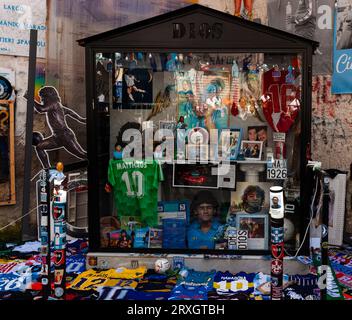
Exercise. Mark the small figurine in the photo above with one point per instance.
(118, 152)
(290, 78)
(158, 152)
(235, 71)
(276, 73)
(252, 72)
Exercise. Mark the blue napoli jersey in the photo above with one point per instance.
(186, 292)
(193, 277)
(118, 293)
(13, 283)
(75, 264)
(197, 239)
(141, 295)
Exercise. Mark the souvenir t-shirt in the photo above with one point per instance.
(296, 292)
(213, 295)
(226, 282)
(154, 282)
(344, 279)
(28, 247)
(77, 246)
(262, 284)
(75, 264)
(122, 277)
(198, 278)
(197, 239)
(117, 293)
(135, 185)
(12, 282)
(186, 292)
(9, 266)
(124, 273)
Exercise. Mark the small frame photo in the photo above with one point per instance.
(258, 133)
(252, 150)
(257, 226)
(230, 143)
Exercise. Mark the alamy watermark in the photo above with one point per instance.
(186, 146)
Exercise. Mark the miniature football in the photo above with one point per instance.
(161, 265)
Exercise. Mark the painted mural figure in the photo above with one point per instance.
(62, 136)
(248, 9)
(305, 20)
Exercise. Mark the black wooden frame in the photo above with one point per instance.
(108, 42)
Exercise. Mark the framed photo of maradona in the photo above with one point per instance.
(257, 226)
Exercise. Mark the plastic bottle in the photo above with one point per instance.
(289, 25)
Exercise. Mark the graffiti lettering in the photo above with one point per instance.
(344, 63)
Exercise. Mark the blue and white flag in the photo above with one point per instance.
(342, 61)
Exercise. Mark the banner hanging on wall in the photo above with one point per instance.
(342, 62)
(312, 19)
(17, 17)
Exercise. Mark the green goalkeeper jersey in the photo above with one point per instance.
(135, 184)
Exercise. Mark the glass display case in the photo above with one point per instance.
(192, 117)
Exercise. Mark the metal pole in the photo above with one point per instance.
(29, 133)
(277, 241)
(59, 216)
(45, 232)
(325, 231)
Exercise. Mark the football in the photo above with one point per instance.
(162, 265)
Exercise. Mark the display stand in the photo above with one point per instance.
(205, 44)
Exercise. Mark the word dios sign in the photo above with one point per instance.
(197, 31)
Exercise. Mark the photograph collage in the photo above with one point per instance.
(211, 120)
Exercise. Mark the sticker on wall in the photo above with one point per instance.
(5, 88)
(62, 136)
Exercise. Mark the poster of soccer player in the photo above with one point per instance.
(342, 61)
(312, 19)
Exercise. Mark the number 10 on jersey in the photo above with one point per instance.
(134, 186)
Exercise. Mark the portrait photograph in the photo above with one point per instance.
(276, 202)
(344, 28)
(257, 227)
(252, 150)
(258, 133)
(250, 198)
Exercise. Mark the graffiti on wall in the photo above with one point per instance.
(62, 136)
